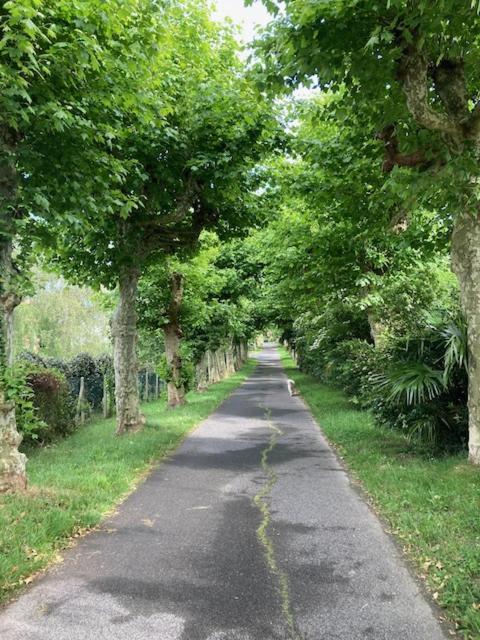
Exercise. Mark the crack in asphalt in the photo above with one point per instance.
(261, 501)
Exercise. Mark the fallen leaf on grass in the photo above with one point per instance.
(427, 564)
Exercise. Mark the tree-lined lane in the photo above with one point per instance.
(251, 531)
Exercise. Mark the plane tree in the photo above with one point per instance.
(63, 66)
(410, 72)
(189, 166)
(190, 304)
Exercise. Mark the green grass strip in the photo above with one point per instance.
(75, 482)
(432, 504)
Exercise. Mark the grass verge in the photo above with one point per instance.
(76, 481)
(432, 504)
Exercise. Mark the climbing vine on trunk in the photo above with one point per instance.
(124, 332)
(173, 335)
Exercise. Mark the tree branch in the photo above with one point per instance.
(184, 204)
(415, 79)
(472, 126)
(393, 157)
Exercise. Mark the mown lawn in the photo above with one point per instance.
(75, 482)
(432, 504)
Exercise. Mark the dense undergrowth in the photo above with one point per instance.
(414, 381)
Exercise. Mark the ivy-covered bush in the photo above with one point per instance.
(54, 405)
(91, 369)
(29, 424)
(83, 365)
(188, 366)
(44, 406)
(47, 389)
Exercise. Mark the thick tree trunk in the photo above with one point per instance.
(173, 335)
(457, 125)
(244, 350)
(9, 298)
(124, 331)
(106, 397)
(466, 264)
(9, 311)
(8, 304)
(12, 462)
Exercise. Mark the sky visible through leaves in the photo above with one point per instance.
(247, 18)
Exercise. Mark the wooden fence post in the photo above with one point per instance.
(106, 398)
(146, 390)
(80, 413)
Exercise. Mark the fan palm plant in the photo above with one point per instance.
(425, 384)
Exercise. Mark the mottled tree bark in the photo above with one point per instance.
(244, 350)
(124, 332)
(466, 264)
(9, 307)
(173, 336)
(9, 297)
(12, 462)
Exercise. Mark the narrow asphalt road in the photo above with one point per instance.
(251, 531)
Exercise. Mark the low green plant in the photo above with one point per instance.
(17, 388)
(188, 367)
(44, 406)
(420, 386)
(53, 401)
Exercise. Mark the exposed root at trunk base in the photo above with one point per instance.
(131, 428)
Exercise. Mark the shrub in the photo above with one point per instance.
(44, 406)
(319, 338)
(84, 365)
(29, 423)
(349, 364)
(421, 387)
(415, 383)
(188, 367)
(54, 404)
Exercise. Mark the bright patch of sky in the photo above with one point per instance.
(247, 18)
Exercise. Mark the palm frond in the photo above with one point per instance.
(455, 337)
(412, 383)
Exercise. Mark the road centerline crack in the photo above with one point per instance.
(262, 502)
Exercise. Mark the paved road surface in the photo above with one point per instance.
(250, 531)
